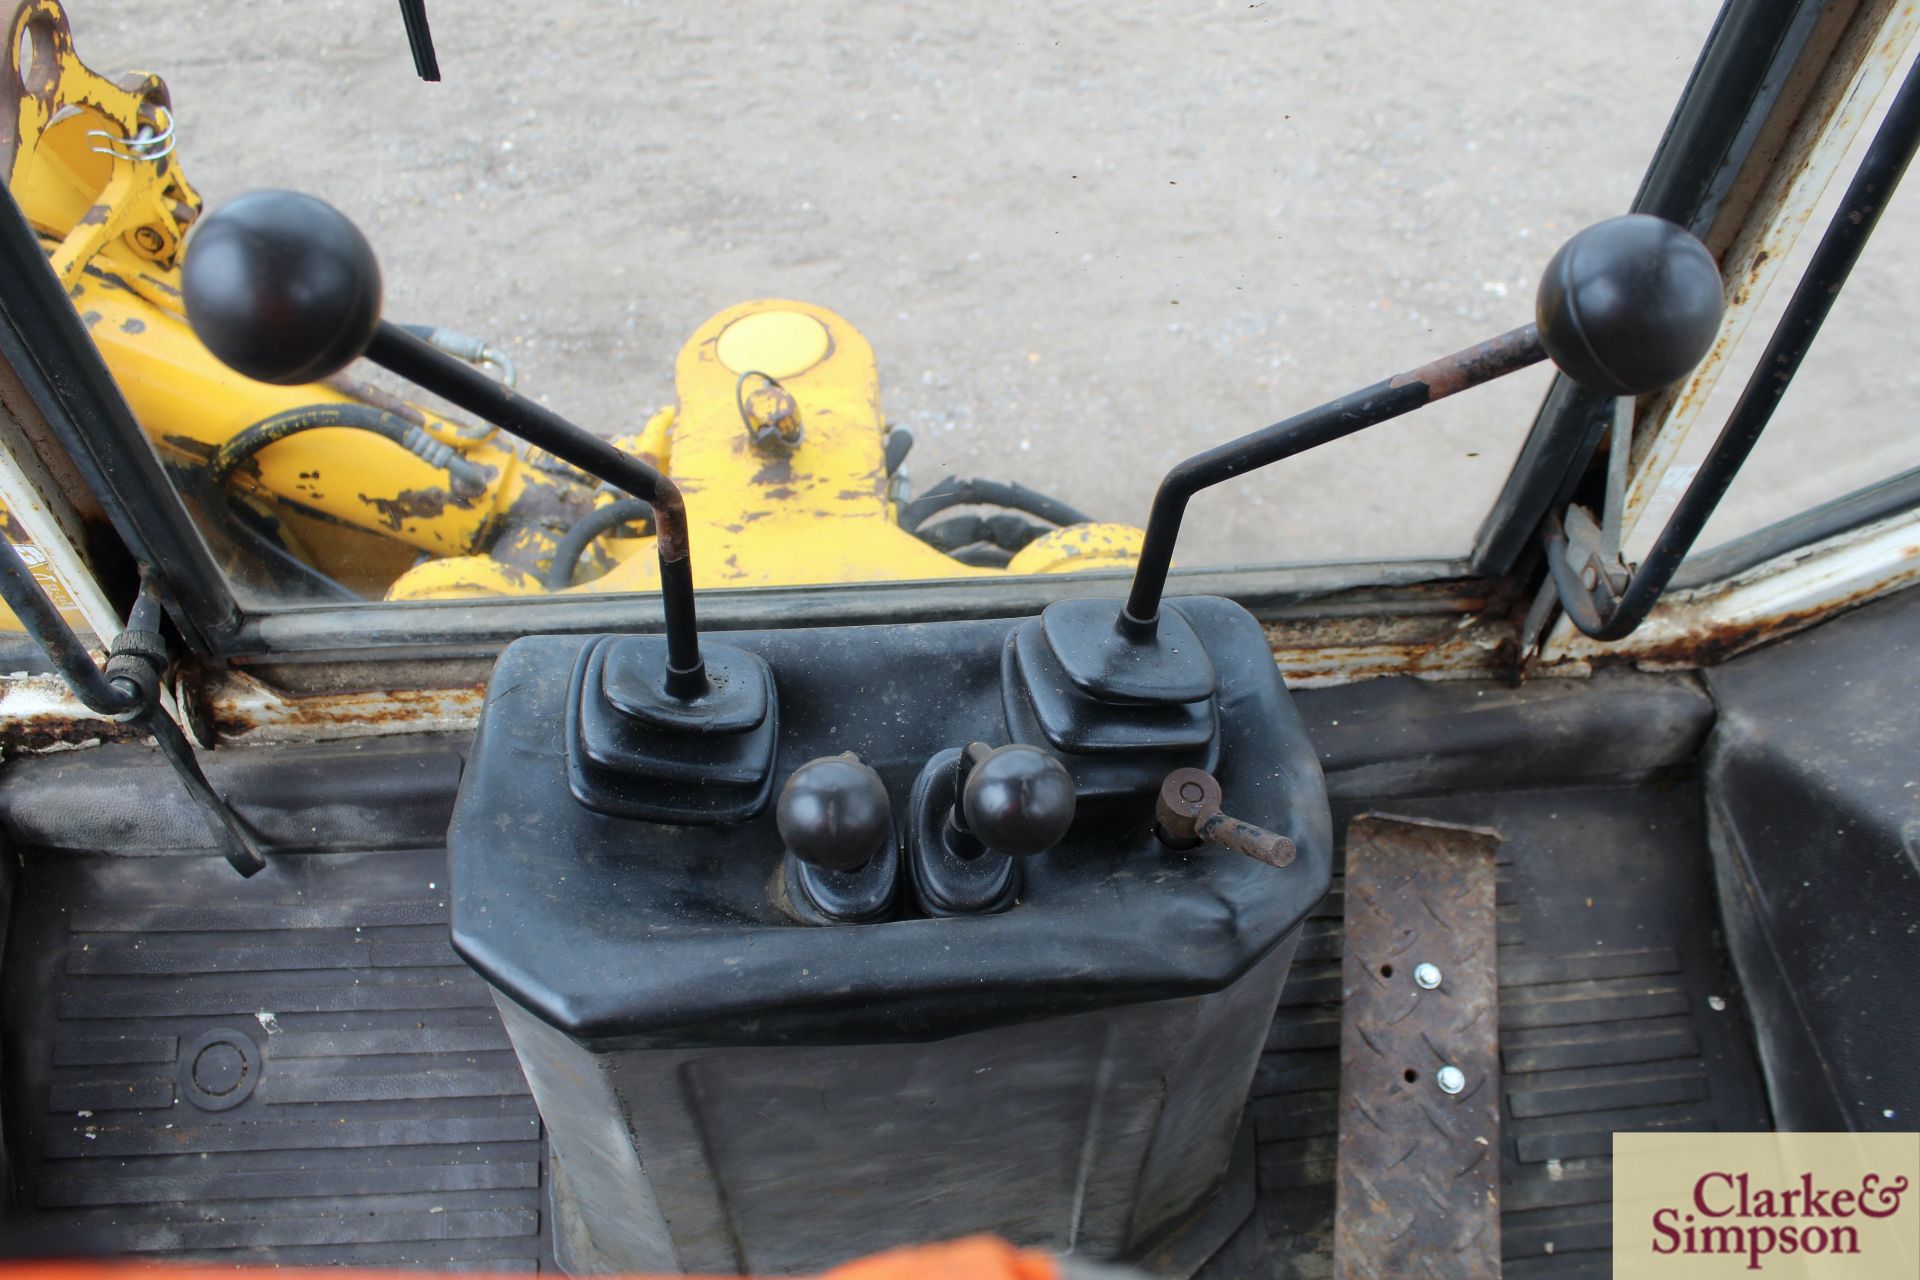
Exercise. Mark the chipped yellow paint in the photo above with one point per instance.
(84, 190)
(793, 508)
(1079, 547)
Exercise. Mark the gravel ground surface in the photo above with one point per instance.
(1085, 239)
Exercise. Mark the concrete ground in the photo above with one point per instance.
(1085, 239)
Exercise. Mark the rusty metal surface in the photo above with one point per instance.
(1187, 815)
(1418, 1180)
(1482, 362)
(1825, 103)
(1789, 593)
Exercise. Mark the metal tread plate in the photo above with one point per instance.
(1418, 1169)
(1617, 1012)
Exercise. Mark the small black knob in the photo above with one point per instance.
(834, 813)
(281, 286)
(1630, 305)
(1018, 800)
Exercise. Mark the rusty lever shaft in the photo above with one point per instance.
(1188, 815)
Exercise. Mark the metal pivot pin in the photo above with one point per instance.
(1188, 815)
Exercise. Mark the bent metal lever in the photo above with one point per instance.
(283, 288)
(1626, 307)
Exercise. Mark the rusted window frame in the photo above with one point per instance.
(1773, 76)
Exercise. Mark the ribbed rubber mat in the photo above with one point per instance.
(293, 1069)
(385, 1122)
(1616, 1013)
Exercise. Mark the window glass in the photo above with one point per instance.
(1847, 421)
(1083, 241)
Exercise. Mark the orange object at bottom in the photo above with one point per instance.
(978, 1258)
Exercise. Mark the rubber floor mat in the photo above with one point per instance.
(293, 1069)
(375, 1115)
(1617, 1012)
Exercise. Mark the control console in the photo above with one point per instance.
(813, 942)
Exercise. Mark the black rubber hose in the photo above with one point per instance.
(1008, 530)
(566, 554)
(988, 493)
(356, 417)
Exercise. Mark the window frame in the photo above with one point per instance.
(1737, 102)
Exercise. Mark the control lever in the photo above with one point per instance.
(975, 814)
(1016, 800)
(283, 288)
(837, 824)
(1188, 815)
(1626, 307)
(1125, 691)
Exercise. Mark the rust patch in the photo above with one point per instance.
(314, 716)
(1482, 362)
(670, 523)
(408, 504)
(1707, 642)
(550, 502)
(32, 734)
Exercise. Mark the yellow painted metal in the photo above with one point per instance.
(779, 344)
(86, 155)
(1080, 547)
(759, 515)
(808, 501)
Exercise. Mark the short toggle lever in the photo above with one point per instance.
(1188, 815)
(974, 816)
(842, 862)
(1017, 800)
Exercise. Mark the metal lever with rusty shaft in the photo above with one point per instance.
(1187, 815)
(1626, 307)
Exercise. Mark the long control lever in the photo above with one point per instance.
(283, 288)
(1626, 307)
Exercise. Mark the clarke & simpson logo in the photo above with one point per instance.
(1728, 1215)
(1779, 1205)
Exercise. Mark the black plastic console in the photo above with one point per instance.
(731, 1087)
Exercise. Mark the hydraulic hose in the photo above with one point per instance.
(566, 554)
(988, 493)
(465, 477)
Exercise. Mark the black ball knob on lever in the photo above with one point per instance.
(1626, 307)
(282, 287)
(834, 813)
(836, 821)
(1629, 305)
(974, 815)
(1015, 800)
